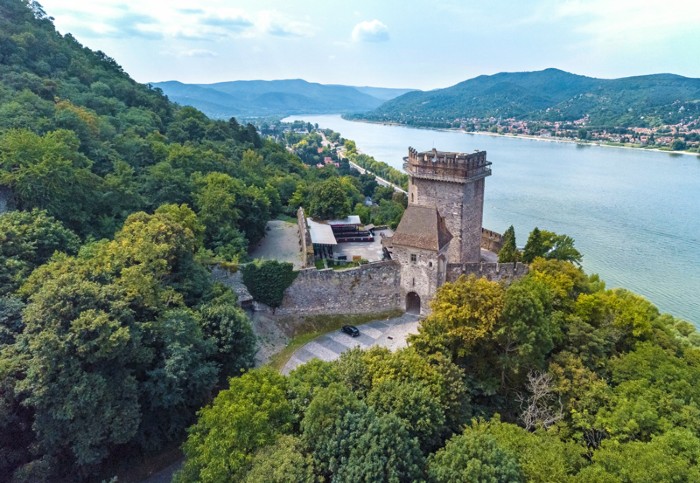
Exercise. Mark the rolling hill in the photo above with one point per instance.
(551, 95)
(276, 98)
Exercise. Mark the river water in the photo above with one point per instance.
(635, 215)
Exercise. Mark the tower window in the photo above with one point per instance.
(413, 257)
(411, 197)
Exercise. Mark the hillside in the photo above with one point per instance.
(275, 98)
(112, 332)
(550, 95)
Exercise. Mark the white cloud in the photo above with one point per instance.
(274, 23)
(370, 31)
(201, 53)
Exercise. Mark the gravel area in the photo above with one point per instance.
(281, 242)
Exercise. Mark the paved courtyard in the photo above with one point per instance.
(390, 333)
(371, 251)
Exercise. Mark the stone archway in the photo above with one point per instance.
(412, 303)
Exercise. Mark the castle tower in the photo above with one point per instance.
(454, 184)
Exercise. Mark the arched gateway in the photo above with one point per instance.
(412, 303)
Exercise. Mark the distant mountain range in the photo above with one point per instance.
(276, 98)
(550, 95)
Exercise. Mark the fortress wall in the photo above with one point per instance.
(374, 287)
(307, 249)
(491, 241)
(506, 272)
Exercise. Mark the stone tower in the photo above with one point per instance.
(454, 184)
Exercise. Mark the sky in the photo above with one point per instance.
(384, 43)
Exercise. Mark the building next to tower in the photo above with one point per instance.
(441, 229)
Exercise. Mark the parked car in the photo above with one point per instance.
(351, 330)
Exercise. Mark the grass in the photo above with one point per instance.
(287, 218)
(317, 325)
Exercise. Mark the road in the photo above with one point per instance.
(390, 333)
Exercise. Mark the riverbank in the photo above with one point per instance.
(604, 144)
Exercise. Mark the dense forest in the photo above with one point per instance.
(112, 333)
(553, 378)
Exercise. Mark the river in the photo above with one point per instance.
(635, 215)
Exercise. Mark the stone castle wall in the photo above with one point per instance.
(462, 206)
(423, 275)
(307, 249)
(491, 240)
(500, 272)
(374, 287)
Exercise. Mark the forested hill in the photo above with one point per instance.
(112, 333)
(550, 95)
(260, 98)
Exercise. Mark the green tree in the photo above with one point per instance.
(229, 328)
(542, 457)
(534, 247)
(332, 199)
(670, 457)
(415, 404)
(509, 252)
(48, 172)
(473, 456)
(27, 240)
(247, 416)
(282, 462)
(376, 449)
(321, 425)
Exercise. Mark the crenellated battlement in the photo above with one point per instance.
(447, 166)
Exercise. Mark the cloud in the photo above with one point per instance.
(128, 24)
(191, 11)
(273, 23)
(200, 53)
(370, 31)
(236, 23)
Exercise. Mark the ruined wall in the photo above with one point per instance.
(491, 241)
(366, 289)
(507, 272)
(307, 248)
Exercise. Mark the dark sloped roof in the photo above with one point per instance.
(422, 227)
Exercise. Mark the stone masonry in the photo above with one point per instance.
(454, 183)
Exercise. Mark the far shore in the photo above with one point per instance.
(603, 144)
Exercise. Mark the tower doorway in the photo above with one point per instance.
(412, 303)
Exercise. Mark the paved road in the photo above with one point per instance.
(390, 333)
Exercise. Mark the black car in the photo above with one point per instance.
(351, 330)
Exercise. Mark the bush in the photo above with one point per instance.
(268, 279)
